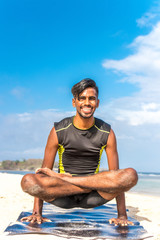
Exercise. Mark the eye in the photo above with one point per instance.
(82, 98)
(92, 98)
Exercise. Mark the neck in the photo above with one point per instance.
(83, 123)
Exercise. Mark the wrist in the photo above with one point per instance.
(36, 212)
(123, 217)
(38, 206)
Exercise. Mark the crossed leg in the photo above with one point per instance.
(48, 185)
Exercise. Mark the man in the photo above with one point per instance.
(80, 141)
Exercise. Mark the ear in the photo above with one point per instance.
(73, 102)
(97, 103)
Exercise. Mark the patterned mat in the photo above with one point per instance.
(79, 223)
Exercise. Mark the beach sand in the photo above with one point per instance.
(144, 208)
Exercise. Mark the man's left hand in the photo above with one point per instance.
(51, 173)
(121, 221)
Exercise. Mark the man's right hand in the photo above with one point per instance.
(35, 218)
(51, 173)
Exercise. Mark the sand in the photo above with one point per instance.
(144, 208)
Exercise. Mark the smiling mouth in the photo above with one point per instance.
(87, 110)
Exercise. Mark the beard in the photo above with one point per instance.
(84, 115)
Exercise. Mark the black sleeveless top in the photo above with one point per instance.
(80, 150)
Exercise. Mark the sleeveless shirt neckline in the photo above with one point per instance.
(82, 128)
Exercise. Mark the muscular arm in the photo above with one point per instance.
(50, 150)
(113, 163)
(49, 158)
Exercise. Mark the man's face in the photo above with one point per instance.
(86, 103)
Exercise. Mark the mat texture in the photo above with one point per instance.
(79, 223)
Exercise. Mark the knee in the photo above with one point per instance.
(30, 184)
(132, 176)
(26, 181)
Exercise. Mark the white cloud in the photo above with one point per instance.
(145, 60)
(15, 154)
(125, 137)
(25, 135)
(18, 92)
(142, 68)
(24, 117)
(139, 117)
(149, 18)
(146, 19)
(136, 118)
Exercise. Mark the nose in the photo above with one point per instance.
(87, 101)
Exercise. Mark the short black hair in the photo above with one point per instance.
(82, 85)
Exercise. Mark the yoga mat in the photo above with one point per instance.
(79, 223)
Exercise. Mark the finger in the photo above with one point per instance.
(39, 220)
(125, 223)
(29, 219)
(38, 170)
(112, 220)
(130, 223)
(122, 224)
(33, 220)
(116, 222)
(46, 220)
(41, 169)
(66, 174)
(46, 171)
(24, 219)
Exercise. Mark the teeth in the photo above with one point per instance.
(87, 110)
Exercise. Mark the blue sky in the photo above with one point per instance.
(47, 46)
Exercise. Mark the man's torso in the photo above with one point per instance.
(80, 150)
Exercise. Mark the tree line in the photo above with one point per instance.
(29, 164)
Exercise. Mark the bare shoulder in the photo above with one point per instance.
(111, 138)
(52, 138)
(53, 132)
(111, 151)
(50, 149)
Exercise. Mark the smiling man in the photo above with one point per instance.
(80, 141)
